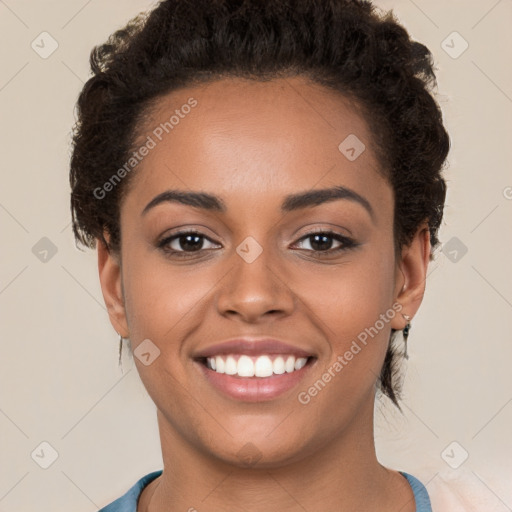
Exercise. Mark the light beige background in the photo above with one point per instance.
(60, 382)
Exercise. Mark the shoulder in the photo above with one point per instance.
(128, 501)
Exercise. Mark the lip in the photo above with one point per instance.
(254, 389)
(252, 347)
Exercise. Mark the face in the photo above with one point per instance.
(261, 256)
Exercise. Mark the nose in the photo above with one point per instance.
(254, 290)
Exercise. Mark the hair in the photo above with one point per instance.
(344, 45)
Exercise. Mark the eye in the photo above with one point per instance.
(184, 243)
(321, 242)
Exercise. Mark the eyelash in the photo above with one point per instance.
(347, 243)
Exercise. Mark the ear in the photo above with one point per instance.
(109, 267)
(410, 276)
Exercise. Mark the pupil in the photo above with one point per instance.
(321, 245)
(192, 245)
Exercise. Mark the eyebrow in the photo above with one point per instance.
(292, 202)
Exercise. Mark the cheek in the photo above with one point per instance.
(356, 293)
(159, 297)
(355, 309)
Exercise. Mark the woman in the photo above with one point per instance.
(262, 181)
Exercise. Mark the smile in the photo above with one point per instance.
(263, 366)
(254, 379)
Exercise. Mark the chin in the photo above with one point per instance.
(261, 450)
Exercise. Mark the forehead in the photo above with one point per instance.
(252, 137)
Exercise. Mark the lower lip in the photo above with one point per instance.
(254, 389)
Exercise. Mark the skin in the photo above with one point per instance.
(252, 153)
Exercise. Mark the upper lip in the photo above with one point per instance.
(252, 347)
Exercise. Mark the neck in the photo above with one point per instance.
(341, 475)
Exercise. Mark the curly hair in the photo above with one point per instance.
(344, 45)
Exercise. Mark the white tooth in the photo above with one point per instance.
(278, 366)
(211, 360)
(289, 366)
(219, 364)
(300, 362)
(263, 367)
(245, 367)
(231, 367)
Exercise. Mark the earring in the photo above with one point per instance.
(405, 333)
(120, 348)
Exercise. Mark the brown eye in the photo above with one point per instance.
(322, 242)
(185, 242)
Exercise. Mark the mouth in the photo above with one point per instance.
(253, 369)
(249, 378)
